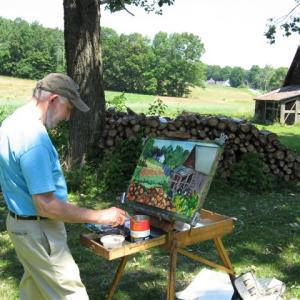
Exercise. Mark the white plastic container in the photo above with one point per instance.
(112, 241)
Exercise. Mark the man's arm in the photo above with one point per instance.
(48, 206)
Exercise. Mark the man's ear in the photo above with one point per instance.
(53, 97)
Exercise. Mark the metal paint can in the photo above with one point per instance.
(139, 228)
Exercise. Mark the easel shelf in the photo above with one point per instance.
(214, 227)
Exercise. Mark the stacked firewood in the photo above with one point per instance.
(242, 137)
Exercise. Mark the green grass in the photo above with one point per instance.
(266, 240)
(288, 135)
(223, 93)
(218, 100)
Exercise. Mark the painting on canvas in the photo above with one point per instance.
(172, 175)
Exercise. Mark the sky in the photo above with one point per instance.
(232, 30)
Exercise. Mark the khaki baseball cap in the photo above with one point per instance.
(62, 84)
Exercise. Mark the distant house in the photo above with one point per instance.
(282, 105)
(218, 82)
(211, 81)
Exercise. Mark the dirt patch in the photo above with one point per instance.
(151, 172)
(187, 101)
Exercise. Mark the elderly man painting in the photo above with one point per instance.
(35, 192)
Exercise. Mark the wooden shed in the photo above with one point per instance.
(282, 105)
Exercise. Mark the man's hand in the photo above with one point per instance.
(112, 216)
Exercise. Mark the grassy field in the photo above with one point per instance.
(211, 100)
(216, 100)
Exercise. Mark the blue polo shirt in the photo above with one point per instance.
(29, 163)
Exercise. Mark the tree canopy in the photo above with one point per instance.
(265, 79)
(29, 50)
(166, 65)
(288, 24)
(148, 5)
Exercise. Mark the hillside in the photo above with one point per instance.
(235, 102)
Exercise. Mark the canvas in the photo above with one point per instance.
(172, 177)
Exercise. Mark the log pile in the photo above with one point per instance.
(243, 137)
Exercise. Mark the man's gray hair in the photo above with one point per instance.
(42, 95)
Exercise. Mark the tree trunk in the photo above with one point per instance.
(83, 56)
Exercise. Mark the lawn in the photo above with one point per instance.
(266, 240)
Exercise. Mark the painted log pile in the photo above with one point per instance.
(243, 137)
(154, 196)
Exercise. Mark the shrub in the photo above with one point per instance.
(59, 137)
(157, 108)
(118, 102)
(249, 174)
(118, 165)
(84, 180)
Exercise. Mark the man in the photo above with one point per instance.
(35, 192)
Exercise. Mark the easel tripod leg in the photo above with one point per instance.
(117, 278)
(172, 273)
(224, 256)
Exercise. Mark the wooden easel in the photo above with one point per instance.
(214, 227)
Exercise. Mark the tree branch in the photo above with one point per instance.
(128, 10)
(281, 19)
(101, 2)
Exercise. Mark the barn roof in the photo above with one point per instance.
(283, 93)
(293, 74)
(291, 85)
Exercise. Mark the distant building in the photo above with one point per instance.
(217, 82)
(224, 83)
(211, 81)
(282, 105)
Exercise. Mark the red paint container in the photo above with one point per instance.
(139, 228)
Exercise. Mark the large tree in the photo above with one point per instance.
(177, 62)
(237, 77)
(83, 57)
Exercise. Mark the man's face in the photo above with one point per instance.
(58, 111)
